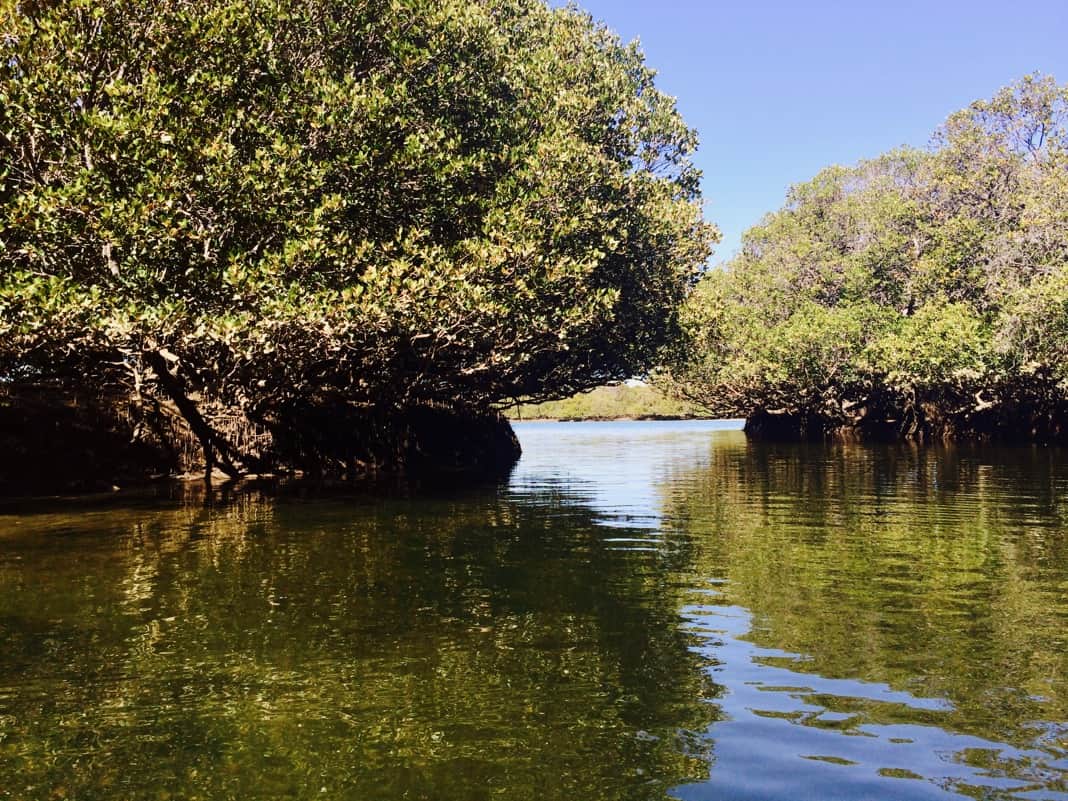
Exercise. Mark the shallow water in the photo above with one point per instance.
(643, 611)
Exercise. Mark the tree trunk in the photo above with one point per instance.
(216, 450)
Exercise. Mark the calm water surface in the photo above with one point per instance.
(643, 611)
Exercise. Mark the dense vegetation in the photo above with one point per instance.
(923, 293)
(292, 213)
(620, 402)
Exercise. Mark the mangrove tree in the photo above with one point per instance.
(921, 294)
(272, 223)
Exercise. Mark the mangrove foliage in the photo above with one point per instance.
(923, 293)
(270, 225)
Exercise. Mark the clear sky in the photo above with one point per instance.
(780, 89)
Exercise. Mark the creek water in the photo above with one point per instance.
(641, 611)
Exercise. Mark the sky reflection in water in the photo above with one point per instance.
(839, 526)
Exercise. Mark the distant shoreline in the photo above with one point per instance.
(622, 419)
(610, 403)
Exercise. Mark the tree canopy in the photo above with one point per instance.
(379, 203)
(925, 291)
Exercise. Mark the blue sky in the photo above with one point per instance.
(780, 89)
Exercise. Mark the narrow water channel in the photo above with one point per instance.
(642, 611)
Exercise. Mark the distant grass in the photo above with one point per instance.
(607, 403)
